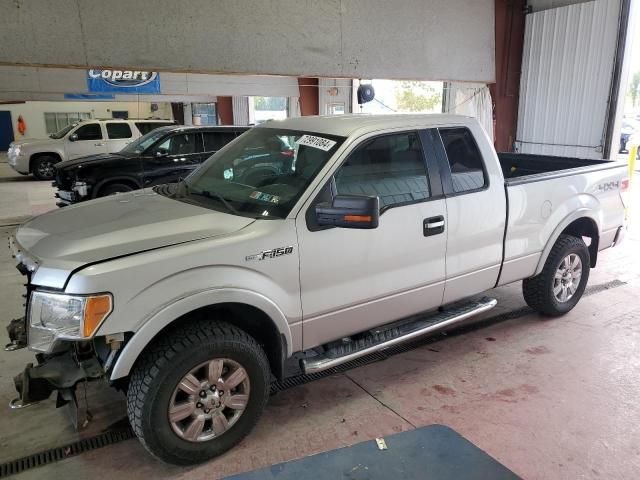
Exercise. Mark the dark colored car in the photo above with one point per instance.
(161, 156)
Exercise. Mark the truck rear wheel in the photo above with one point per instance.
(197, 392)
(558, 288)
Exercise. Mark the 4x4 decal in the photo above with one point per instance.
(273, 253)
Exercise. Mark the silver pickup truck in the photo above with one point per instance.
(192, 297)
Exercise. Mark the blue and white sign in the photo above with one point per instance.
(123, 81)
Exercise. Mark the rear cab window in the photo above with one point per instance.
(468, 172)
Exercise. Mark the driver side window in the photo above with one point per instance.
(391, 167)
(91, 131)
(179, 144)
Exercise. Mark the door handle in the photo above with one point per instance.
(99, 144)
(433, 225)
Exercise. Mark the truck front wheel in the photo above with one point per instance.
(197, 392)
(558, 288)
(43, 167)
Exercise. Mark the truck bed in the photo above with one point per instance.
(523, 168)
(545, 192)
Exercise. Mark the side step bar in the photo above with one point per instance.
(394, 334)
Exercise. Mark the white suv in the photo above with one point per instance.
(89, 137)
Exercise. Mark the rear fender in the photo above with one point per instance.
(566, 221)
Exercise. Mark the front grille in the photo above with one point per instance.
(64, 180)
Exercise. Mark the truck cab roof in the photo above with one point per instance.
(346, 125)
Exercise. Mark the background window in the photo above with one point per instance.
(91, 131)
(269, 108)
(465, 160)
(206, 112)
(391, 167)
(54, 122)
(214, 141)
(181, 144)
(118, 130)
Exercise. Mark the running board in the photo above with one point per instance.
(394, 334)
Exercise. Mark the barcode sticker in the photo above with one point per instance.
(316, 142)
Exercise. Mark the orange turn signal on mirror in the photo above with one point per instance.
(357, 218)
(96, 310)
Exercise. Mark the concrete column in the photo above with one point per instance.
(224, 106)
(188, 114)
(240, 110)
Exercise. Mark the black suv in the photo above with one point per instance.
(161, 156)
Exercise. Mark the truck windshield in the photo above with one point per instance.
(141, 144)
(261, 174)
(64, 131)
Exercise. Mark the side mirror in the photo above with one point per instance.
(162, 152)
(73, 137)
(349, 211)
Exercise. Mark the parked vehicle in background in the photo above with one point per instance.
(629, 127)
(162, 156)
(266, 261)
(38, 156)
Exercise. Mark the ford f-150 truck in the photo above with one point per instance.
(192, 297)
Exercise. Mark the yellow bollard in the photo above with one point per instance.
(633, 153)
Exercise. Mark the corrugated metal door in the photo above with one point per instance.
(567, 70)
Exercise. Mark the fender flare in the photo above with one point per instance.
(184, 305)
(566, 221)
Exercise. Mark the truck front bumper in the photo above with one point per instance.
(57, 373)
(20, 163)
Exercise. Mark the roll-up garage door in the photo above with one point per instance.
(567, 71)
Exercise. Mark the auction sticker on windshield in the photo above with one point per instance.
(316, 142)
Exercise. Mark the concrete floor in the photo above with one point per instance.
(547, 398)
(22, 196)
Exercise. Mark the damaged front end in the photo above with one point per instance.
(59, 329)
(62, 373)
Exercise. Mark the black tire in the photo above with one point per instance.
(43, 167)
(538, 291)
(160, 369)
(113, 189)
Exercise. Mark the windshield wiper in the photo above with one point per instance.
(208, 194)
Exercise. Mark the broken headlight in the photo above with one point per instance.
(54, 316)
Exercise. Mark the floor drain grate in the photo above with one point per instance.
(60, 453)
(114, 436)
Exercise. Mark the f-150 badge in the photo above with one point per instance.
(273, 253)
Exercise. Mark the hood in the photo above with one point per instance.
(91, 159)
(119, 225)
(35, 142)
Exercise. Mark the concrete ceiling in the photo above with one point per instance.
(413, 39)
